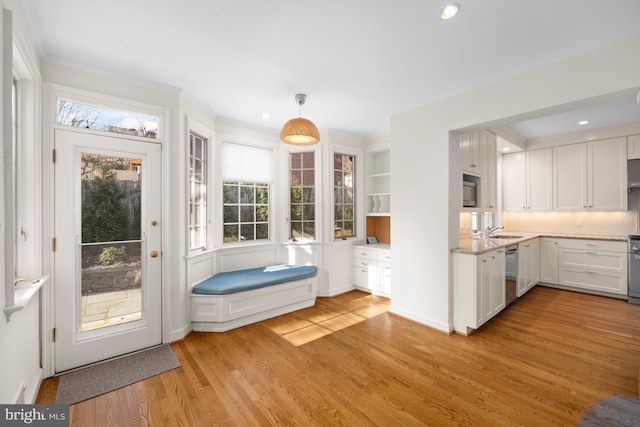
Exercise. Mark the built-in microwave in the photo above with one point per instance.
(469, 194)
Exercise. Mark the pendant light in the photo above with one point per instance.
(300, 131)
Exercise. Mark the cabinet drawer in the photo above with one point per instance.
(365, 253)
(384, 256)
(593, 245)
(364, 263)
(615, 283)
(593, 260)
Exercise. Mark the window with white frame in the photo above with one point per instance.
(198, 197)
(302, 196)
(246, 176)
(77, 114)
(344, 195)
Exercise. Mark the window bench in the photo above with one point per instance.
(233, 299)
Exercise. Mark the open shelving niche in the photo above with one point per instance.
(378, 188)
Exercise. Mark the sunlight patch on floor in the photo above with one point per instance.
(299, 332)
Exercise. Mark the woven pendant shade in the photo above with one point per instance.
(300, 131)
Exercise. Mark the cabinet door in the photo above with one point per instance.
(513, 182)
(607, 174)
(489, 179)
(539, 180)
(570, 177)
(549, 261)
(533, 261)
(484, 309)
(633, 147)
(498, 287)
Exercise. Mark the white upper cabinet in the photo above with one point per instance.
(591, 176)
(527, 181)
(539, 180)
(478, 158)
(473, 152)
(633, 147)
(570, 177)
(607, 174)
(490, 177)
(514, 189)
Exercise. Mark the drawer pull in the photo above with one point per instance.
(593, 245)
(591, 272)
(591, 253)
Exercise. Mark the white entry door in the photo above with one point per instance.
(108, 265)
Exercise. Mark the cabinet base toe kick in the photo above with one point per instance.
(582, 290)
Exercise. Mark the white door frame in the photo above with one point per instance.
(73, 347)
(51, 92)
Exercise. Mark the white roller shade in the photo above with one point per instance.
(245, 163)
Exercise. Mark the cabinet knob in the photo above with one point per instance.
(473, 165)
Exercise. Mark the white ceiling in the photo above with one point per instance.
(359, 61)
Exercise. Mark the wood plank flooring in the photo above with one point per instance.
(346, 361)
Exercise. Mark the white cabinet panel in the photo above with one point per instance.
(570, 177)
(372, 268)
(633, 147)
(539, 180)
(528, 265)
(607, 173)
(590, 176)
(549, 261)
(514, 189)
(478, 289)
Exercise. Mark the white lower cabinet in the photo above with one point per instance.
(549, 260)
(528, 265)
(478, 289)
(372, 268)
(593, 265)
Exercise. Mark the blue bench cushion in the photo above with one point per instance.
(231, 282)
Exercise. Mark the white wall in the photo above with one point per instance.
(425, 222)
(20, 371)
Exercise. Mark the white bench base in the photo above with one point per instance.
(220, 313)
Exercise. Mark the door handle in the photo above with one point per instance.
(154, 254)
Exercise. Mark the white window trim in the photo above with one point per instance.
(274, 208)
(359, 215)
(195, 126)
(286, 232)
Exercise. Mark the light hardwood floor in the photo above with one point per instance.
(544, 361)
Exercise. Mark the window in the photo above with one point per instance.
(246, 175)
(343, 195)
(246, 211)
(302, 195)
(76, 114)
(198, 214)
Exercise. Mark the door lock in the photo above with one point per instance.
(154, 254)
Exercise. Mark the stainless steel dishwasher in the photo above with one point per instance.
(634, 269)
(511, 273)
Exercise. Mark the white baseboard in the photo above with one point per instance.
(421, 319)
(180, 333)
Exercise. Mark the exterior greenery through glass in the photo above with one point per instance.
(302, 196)
(246, 211)
(197, 192)
(343, 195)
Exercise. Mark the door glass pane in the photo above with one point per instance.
(111, 253)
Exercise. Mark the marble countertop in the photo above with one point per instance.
(478, 245)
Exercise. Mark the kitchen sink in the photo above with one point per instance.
(504, 236)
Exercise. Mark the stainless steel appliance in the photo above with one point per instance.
(511, 273)
(469, 194)
(633, 173)
(633, 264)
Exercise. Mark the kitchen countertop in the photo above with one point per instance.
(478, 245)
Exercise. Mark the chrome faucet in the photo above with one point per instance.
(491, 230)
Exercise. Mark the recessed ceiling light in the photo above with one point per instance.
(583, 122)
(449, 11)
(265, 116)
(506, 149)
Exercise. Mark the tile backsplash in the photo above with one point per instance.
(583, 222)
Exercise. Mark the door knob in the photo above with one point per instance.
(154, 254)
